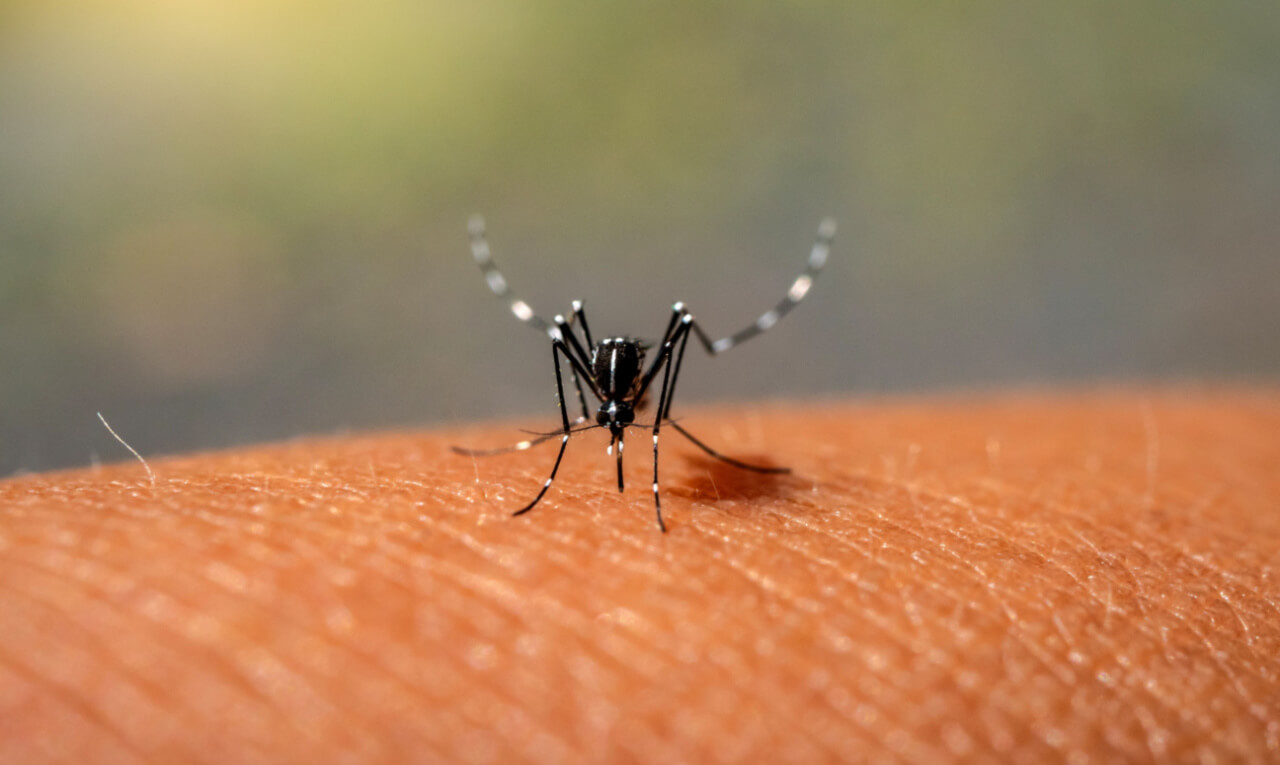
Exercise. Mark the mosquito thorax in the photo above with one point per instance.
(616, 364)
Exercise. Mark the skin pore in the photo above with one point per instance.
(1081, 578)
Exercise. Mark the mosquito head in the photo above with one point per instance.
(616, 416)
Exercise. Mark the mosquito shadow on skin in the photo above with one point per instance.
(709, 480)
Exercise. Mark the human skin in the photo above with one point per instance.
(1079, 578)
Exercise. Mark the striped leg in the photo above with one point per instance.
(540, 438)
(680, 335)
(665, 412)
(799, 288)
(580, 316)
(571, 341)
(557, 347)
(520, 309)
(678, 312)
(494, 278)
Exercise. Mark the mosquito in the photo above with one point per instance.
(614, 369)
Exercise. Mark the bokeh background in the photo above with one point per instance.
(224, 222)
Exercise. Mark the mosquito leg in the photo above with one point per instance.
(566, 333)
(677, 311)
(799, 288)
(522, 445)
(580, 316)
(680, 335)
(690, 324)
(494, 278)
(730, 460)
(620, 442)
(556, 348)
(517, 447)
(665, 414)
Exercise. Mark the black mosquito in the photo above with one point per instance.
(614, 369)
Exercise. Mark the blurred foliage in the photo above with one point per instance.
(231, 221)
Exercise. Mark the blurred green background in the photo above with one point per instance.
(244, 220)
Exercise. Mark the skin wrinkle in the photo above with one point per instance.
(151, 723)
(278, 614)
(234, 668)
(579, 620)
(982, 577)
(906, 638)
(84, 634)
(485, 593)
(916, 613)
(763, 582)
(69, 698)
(881, 624)
(463, 579)
(668, 669)
(1092, 594)
(469, 583)
(87, 579)
(1096, 598)
(1105, 557)
(250, 599)
(18, 693)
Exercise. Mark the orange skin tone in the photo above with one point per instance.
(1030, 578)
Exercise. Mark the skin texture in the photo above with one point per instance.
(1081, 578)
